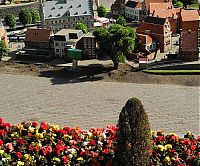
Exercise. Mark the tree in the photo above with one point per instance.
(82, 27)
(10, 20)
(3, 49)
(121, 21)
(115, 41)
(101, 10)
(133, 135)
(35, 16)
(179, 4)
(25, 17)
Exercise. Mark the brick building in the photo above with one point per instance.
(159, 29)
(118, 7)
(88, 45)
(189, 35)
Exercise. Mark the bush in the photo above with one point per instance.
(10, 20)
(25, 17)
(133, 136)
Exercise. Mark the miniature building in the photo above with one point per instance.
(66, 38)
(3, 34)
(118, 7)
(189, 35)
(38, 45)
(63, 14)
(159, 29)
(148, 45)
(134, 10)
(88, 45)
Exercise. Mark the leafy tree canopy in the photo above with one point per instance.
(115, 41)
(25, 17)
(101, 10)
(82, 27)
(121, 21)
(3, 49)
(35, 16)
(10, 20)
(179, 4)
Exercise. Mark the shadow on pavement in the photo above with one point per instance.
(84, 74)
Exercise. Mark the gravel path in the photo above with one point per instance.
(95, 104)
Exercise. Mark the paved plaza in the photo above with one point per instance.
(171, 108)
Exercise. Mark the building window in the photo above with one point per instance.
(57, 50)
(51, 22)
(56, 44)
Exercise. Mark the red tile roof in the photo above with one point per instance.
(189, 15)
(159, 6)
(38, 35)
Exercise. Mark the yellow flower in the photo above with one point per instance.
(26, 156)
(31, 129)
(80, 159)
(67, 136)
(167, 159)
(168, 146)
(161, 147)
(153, 133)
(1, 152)
(19, 163)
(56, 159)
(39, 135)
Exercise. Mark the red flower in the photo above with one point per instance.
(20, 141)
(34, 124)
(44, 126)
(37, 148)
(94, 154)
(9, 146)
(1, 120)
(31, 147)
(65, 159)
(59, 148)
(106, 151)
(92, 142)
(1, 142)
(193, 147)
(19, 155)
(2, 132)
(6, 125)
(188, 152)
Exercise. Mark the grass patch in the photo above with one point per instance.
(172, 71)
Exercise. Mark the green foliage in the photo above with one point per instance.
(101, 10)
(10, 20)
(133, 136)
(185, 2)
(82, 27)
(179, 4)
(25, 17)
(3, 49)
(121, 21)
(35, 16)
(115, 42)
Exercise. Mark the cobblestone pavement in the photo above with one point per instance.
(95, 104)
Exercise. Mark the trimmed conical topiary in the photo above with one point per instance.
(133, 142)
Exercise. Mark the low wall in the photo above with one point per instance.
(16, 8)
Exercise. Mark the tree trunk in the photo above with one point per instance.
(116, 65)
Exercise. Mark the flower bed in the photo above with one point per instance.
(31, 144)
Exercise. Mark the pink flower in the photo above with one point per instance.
(9, 146)
(44, 126)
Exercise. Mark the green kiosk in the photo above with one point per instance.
(75, 55)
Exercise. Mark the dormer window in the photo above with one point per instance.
(70, 7)
(52, 8)
(85, 12)
(75, 13)
(50, 15)
(58, 15)
(61, 7)
(79, 5)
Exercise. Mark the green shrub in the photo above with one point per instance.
(133, 141)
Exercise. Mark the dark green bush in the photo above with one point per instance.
(133, 142)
